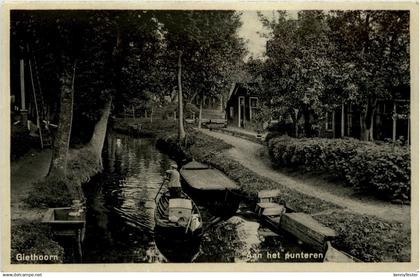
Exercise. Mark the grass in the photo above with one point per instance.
(52, 191)
(33, 238)
(366, 237)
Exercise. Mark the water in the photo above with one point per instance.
(120, 207)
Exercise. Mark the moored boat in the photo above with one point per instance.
(211, 188)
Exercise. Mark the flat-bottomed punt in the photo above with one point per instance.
(178, 225)
(211, 188)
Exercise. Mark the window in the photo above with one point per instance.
(253, 102)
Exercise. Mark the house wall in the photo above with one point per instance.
(382, 127)
(234, 105)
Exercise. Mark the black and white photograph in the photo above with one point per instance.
(218, 136)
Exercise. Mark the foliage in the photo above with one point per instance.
(33, 238)
(20, 142)
(50, 192)
(369, 238)
(382, 170)
(211, 49)
(366, 237)
(144, 128)
(322, 59)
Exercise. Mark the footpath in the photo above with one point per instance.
(23, 173)
(254, 156)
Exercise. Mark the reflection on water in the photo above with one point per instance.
(120, 207)
(121, 202)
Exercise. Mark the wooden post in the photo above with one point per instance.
(23, 111)
(394, 122)
(132, 108)
(239, 112)
(333, 124)
(408, 130)
(22, 84)
(342, 120)
(38, 124)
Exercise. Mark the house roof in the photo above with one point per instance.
(249, 88)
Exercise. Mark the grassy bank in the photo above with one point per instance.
(366, 237)
(29, 235)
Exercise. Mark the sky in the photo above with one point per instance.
(251, 29)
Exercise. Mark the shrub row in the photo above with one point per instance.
(366, 237)
(381, 170)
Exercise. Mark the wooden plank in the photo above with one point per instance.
(265, 232)
(195, 165)
(273, 211)
(307, 229)
(208, 179)
(265, 205)
(268, 193)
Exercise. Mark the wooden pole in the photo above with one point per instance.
(22, 85)
(200, 113)
(181, 131)
(36, 106)
(342, 120)
(394, 122)
(239, 112)
(408, 131)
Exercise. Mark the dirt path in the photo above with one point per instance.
(25, 171)
(254, 157)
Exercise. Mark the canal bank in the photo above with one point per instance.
(33, 191)
(367, 237)
(120, 216)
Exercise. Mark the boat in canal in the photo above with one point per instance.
(210, 187)
(177, 218)
(178, 225)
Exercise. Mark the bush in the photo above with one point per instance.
(381, 170)
(49, 192)
(369, 238)
(20, 142)
(34, 238)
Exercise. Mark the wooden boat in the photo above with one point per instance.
(177, 219)
(211, 188)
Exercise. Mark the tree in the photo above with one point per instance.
(373, 50)
(297, 64)
(210, 49)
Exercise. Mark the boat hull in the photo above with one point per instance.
(170, 237)
(221, 203)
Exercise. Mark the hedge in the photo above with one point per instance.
(381, 170)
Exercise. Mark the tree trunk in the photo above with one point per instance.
(295, 117)
(307, 123)
(200, 114)
(58, 164)
(151, 115)
(181, 131)
(367, 121)
(99, 133)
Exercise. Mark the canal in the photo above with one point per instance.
(120, 207)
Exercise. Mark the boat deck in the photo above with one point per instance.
(202, 177)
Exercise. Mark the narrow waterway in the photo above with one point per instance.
(120, 208)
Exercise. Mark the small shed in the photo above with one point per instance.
(241, 104)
